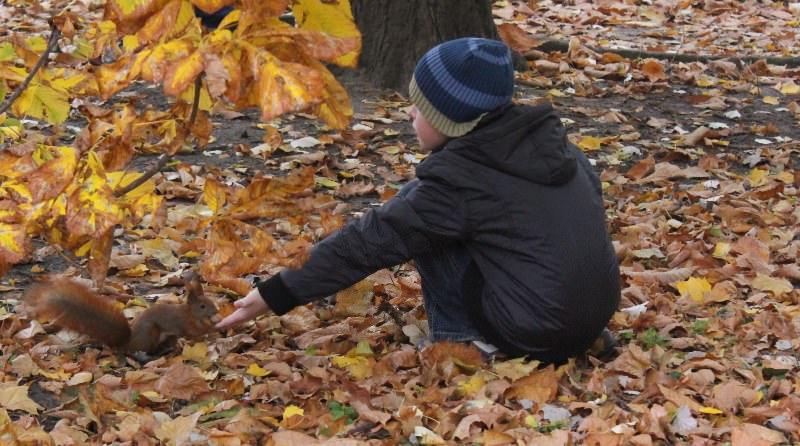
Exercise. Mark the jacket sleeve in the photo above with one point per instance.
(430, 214)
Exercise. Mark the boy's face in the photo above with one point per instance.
(429, 138)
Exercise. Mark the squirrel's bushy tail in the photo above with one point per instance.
(73, 306)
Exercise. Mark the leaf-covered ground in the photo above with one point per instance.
(699, 163)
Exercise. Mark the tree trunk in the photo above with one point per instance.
(396, 33)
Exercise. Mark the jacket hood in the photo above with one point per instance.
(523, 141)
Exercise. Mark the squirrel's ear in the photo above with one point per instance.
(194, 287)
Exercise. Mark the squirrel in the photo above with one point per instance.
(71, 305)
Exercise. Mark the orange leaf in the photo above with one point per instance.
(211, 6)
(516, 38)
(129, 14)
(100, 256)
(653, 70)
(286, 87)
(214, 195)
(541, 386)
(182, 73)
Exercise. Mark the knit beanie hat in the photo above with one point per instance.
(457, 82)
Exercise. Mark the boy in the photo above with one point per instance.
(505, 221)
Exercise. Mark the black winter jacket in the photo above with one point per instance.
(525, 203)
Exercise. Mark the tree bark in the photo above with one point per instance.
(396, 33)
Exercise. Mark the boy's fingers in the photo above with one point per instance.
(234, 318)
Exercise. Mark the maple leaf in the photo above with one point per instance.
(696, 287)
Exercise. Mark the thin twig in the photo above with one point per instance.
(562, 46)
(164, 158)
(55, 34)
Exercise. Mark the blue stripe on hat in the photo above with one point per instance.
(467, 77)
(467, 94)
(485, 53)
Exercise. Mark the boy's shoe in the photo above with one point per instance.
(605, 346)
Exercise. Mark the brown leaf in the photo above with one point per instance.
(754, 435)
(666, 171)
(182, 381)
(642, 168)
(354, 301)
(541, 386)
(516, 38)
(730, 396)
(653, 69)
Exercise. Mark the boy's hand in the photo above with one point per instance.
(247, 308)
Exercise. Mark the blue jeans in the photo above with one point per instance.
(443, 271)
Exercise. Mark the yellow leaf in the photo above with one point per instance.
(130, 7)
(758, 177)
(7, 52)
(13, 243)
(706, 81)
(327, 182)
(42, 101)
(137, 271)
(556, 93)
(197, 352)
(182, 73)
(130, 43)
(92, 208)
(711, 410)
(515, 368)
(292, 410)
(472, 386)
(721, 250)
(772, 100)
(696, 287)
(334, 19)
(80, 378)
(785, 177)
(36, 44)
(790, 88)
(256, 370)
(590, 143)
(358, 367)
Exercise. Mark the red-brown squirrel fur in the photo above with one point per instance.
(71, 305)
